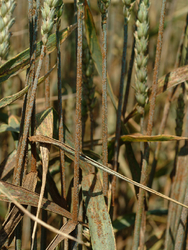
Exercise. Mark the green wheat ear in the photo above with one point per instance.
(50, 10)
(6, 21)
(141, 59)
(103, 5)
(127, 7)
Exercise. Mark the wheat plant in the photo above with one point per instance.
(93, 139)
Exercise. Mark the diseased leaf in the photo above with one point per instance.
(27, 197)
(95, 50)
(15, 215)
(84, 158)
(67, 228)
(172, 79)
(21, 61)
(10, 99)
(101, 231)
(23, 210)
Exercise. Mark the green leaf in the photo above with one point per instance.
(95, 50)
(21, 61)
(101, 231)
(6, 127)
(13, 122)
(10, 99)
(128, 220)
(123, 222)
(12, 126)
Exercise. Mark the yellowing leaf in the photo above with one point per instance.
(146, 138)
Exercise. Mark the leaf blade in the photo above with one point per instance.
(100, 226)
(10, 99)
(27, 197)
(21, 61)
(85, 158)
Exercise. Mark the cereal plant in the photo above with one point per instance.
(93, 124)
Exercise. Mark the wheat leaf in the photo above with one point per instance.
(86, 159)
(22, 60)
